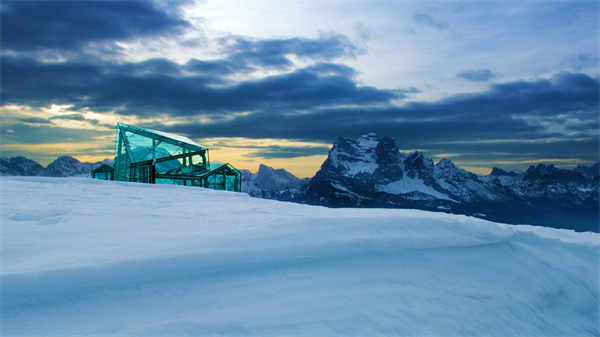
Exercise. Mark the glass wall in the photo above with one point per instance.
(150, 156)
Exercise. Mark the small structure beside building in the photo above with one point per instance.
(156, 157)
(104, 172)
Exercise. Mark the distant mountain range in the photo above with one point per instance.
(65, 166)
(270, 183)
(371, 172)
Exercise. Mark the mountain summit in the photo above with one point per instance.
(369, 171)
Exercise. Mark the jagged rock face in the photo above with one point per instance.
(388, 160)
(550, 174)
(546, 182)
(20, 166)
(351, 162)
(500, 172)
(359, 172)
(272, 183)
(371, 172)
(350, 170)
(276, 179)
(590, 172)
(460, 184)
(382, 169)
(418, 166)
(350, 157)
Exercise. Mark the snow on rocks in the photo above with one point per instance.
(355, 156)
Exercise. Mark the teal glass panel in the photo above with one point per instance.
(121, 162)
(137, 145)
(230, 183)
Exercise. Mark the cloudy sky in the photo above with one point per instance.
(484, 83)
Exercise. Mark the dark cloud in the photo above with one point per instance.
(73, 117)
(65, 25)
(585, 149)
(27, 134)
(216, 68)
(479, 75)
(273, 53)
(315, 103)
(462, 123)
(80, 118)
(155, 87)
(289, 151)
(318, 102)
(33, 120)
(582, 61)
(427, 20)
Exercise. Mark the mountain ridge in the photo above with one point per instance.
(371, 172)
(63, 166)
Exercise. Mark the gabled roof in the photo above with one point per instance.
(166, 137)
(103, 168)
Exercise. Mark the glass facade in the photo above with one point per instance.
(156, 157)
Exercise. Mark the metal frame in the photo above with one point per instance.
(145, 171)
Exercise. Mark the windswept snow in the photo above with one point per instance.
(94, 258)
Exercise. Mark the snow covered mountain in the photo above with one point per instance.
(20, 166)
(64, 166)
(84, 257)
(270, 183)
(371, 172)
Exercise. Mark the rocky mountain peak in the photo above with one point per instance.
(65, 166)
(389, 159)
(550, 173)
(62, 166)
(65, 160)
(350, 157)
(417, 165)
(496, 171)
(277, 178)
(445, 168)
(590, 172)
(269, 179)
(20, 166)
(446, 164)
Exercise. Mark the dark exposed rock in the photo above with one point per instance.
(371, 172)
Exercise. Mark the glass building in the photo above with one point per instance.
(156, 157)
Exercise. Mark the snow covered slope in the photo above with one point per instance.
(95, 258)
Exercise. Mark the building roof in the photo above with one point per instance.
(163, 136)
(103, 168)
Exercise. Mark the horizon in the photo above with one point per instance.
(495, 84)
(254, 171)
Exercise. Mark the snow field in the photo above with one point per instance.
(86, 257)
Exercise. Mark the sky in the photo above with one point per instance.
(486, 84)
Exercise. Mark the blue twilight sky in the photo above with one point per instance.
(484, 83)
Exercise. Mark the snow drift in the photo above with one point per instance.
(96, 258)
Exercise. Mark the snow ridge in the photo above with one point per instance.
(142, 264)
